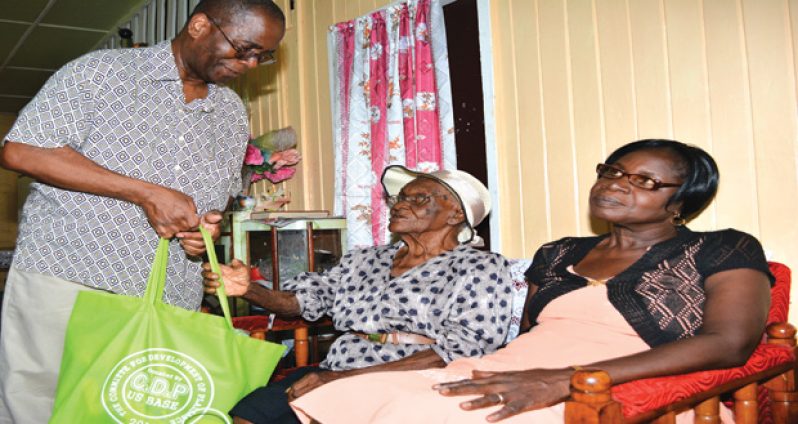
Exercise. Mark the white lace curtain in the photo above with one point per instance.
(391, 104)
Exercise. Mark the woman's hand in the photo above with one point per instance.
(235, 277)
(518, 391)
(310, 382)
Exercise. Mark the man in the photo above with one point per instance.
(126, 146)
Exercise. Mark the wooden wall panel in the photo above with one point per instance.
(587, 119)
(730, 115)
(506, 115)
(555, 89)
(772, 80)
(521, 154)
(649, 44)
(617, 72)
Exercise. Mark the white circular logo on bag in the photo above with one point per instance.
(157, 385)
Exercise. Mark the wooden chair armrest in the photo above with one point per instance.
(591, 390)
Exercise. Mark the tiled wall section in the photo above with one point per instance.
(8, 194)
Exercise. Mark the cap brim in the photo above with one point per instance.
(394, 177)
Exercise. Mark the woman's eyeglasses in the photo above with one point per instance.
(415, 199)
(642, 181)
(265, 57)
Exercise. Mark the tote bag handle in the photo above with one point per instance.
(220, 293)
(157, 279)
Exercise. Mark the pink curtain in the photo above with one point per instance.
(391, 104)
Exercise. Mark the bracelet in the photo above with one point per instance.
(576, 367)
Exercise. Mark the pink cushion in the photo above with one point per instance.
(637, 397)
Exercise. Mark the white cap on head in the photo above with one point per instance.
(473, 195)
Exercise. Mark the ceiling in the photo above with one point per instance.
(39, 36)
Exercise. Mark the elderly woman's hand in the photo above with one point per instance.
(235, 277)
(518, 391)
(312, 381)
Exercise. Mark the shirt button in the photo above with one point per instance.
(176, 167)
(181, 138)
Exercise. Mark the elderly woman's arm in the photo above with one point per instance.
(735, 313)
(238, 284)
(309, 294)
(417, 361)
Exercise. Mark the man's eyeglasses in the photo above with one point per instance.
(265, 57)
(642, 181)
(415, 199)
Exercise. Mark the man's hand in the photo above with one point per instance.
(235, 277)
(192, 241)
(312, 381)
(170, 211)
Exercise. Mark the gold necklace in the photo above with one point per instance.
(594, 282)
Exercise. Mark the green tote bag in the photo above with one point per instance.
(138, 360)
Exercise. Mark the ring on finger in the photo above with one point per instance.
(499, 398)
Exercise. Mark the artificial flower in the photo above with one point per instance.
(288, 157)
(279, 147)
(254, 156)
(279, 175)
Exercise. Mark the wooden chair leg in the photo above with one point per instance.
(301, 346)
(708, 411)
(784, 398)
(784, 388)
(591, 400)
(314, 348)
(746, 410)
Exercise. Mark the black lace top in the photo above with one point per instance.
(662, 294)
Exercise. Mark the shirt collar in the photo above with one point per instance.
(163, 67)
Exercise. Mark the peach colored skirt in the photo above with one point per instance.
(579, 328)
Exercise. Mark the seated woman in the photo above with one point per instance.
(419, 303)
(650, 298)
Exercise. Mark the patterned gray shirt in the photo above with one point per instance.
(461, 298)
(125, 110)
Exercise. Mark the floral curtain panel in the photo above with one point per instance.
(391, 103)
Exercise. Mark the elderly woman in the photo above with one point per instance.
(650, 298)
(419, 303)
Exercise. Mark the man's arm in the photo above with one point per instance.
(169, 211)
